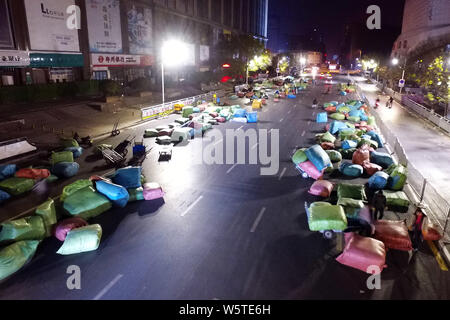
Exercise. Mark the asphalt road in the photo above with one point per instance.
(223, 232)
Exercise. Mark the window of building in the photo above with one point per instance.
(216, 11)
(237, 14)
(203, 8)
(405, 44)
(227, 12)
(399, 45)
(181, 5)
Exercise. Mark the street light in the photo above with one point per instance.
(395, 62)
(173, 53)
(303, 62)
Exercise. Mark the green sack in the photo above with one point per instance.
(15, 256)
(327, 217)
(69, 143)
(366, 142)
(16, 186)
(351, 212)
(344, 110)
(347, 154)
(352, 191)
(63, 156)
(136, 194)
(47, 212)
(371, 121)
(327, 137)
(396, 199)
(397, 177)
(354, 119)
(334, 155)
(350, 125)
(74, 187)
(82, 239)
(346, 134)
(352, 203)
(29, 228)
(337, 116)
(187, 111)
(151, 133)
(86, 203)
(299, 156)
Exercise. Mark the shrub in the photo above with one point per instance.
(110, 88)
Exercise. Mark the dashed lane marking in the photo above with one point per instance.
(303, 133)
(191, 206)
(258, 219)
(108, 287)
(229, 170)
(282, 174)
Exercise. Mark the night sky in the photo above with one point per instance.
(297, 17)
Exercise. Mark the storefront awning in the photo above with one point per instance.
(56, 60)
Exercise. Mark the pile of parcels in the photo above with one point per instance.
(350, 149)
(345, 89)
(197, 120)
(67, 219)
(15, 182)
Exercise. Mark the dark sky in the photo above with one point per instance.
(330, 16)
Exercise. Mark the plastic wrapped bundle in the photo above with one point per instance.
(81, 240)
(75, 186)
(63, 156)
(336, 126)
(86, 203)
(252, 117)
(394, 234)
(117, 194)
(371, 168)
(334, 155)
(351, 170)
(16, 186)
(15, 256)
(153, 191)
(349, 144)
(327, 137)
(76, 151)
(361, 156)
(337, 116)
(299, 156)
(240, 113)
(29, 228)
(4, 196)
(30, 173)
(318, 157)
(322, 117)
(65, 226)
(396, 200)
(321, 188)
(69, 143)
(326, 217)
(376, 137)
(397, 177)
(382, 159)
(65, 169)
(378, 181)
(364, 254)
(129, 177)
(7, 171)
(353, 191)
(187, 111)
(47, 212)
(136, 194)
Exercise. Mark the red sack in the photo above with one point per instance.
(221, 119)
(394, 234)
(321, 188)
(371, 168)
(263, 102)
(214, 114)
(276, 100)
(33, 173)
(65, 226)
(331, 109)
(362, 252)
(327, 146)
(430, 231)
(361, 155)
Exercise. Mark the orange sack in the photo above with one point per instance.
(33, 173)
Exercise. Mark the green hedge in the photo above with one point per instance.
(48, 92)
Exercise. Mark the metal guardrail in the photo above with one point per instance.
(160, 110)
(418, 187)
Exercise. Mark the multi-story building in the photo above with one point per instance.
(424, 21)
(114, 39)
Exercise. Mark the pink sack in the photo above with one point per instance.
(321, 188)
(221, 119)
(394, 234)
(153, 191)
(361, 253)
(65, 226)
(214, 114)
(311, 170)
(371, 168)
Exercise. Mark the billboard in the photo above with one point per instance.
(6, 38)
(140, 29)
(104, 28)
(47, 25)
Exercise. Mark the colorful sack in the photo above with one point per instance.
(136, 194)
(29, 228)
(86, 203)
(397, 177)
(321, 188)
(394, 234)
(322, 117)
(129, 177)
(16, 186)
(327, 146)
(360, 156)
(352, 203)
(47, 212)
(353, 191)
(351, 170)
(118, 195)
(327, 137)
(334, 155)
(4, 196)
(378, 181)
(364, 253)
(15, 256)
(382, 159)
(69, 143)
(76, 151)
(7, 171)
(327, 217)
(375, 136)
(349, 144)
(65, 226)
(310, 170)
(318, 157)
(354, 119)
(75, 186)
(336, 126)
(396, 200)
(65, 169)
(29, 173)
(80, 240)
(299, 156)
(337, 116)
(153, 191)
(371, 168)
(63, 156)
(347, 154)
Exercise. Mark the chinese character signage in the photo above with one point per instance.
(104, 28)
(140, 31)
(118, 60)
(6, 38)
(14, 59)
(47, 25)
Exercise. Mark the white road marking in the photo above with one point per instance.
(258, 219)
(289, 111)
(309, 122)
(282, 174)
(108, 287)
(191, 206)
(229, 170)
(303, 133)
(281, 120)
(254, 146)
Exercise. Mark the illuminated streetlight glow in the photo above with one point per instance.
(174, 53)
(395, 61)
(302, 60)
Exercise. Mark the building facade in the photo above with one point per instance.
(423, 21)
(114, 39)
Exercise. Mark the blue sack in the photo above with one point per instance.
(351, 170)
(252, 117)
(343, 93)
(355, 113)
(240, 113)
(76, 151)
(378, 181)
(291, 96)
(196, 110)
(349, 144)
(7, 171)
(382, 159)
(118, 195)
(364, 117)
(322, 117)
(65, 169)
(4, 196)
(335, 126)
(376, 137)
(129, 177)
(318, 157)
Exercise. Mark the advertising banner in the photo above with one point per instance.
(119, 60)
(47, 25)
(6, 38)
(14, 59)
(104, 28)
(140, 31)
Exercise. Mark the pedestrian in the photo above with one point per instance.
(315, 102)
(416, 229)
(378, 204)
(391, 102)
(377, 102)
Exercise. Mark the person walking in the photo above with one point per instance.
(416, 229)
(379, 204)
(314, 105)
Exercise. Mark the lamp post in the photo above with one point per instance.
(395, 62)
(173, 53)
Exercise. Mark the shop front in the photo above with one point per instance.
(11, 64)
(56, 67)
(121, 67)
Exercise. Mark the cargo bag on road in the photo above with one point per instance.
(86, 203)
(318, 157)
(63, 156)
(76, 151)
(65, 226)
(136, 194)
(397, 177)
(80, 240)
(361, 155)
(47, 212)
(16, 186)
(378, 181)
(153, 191)
(117, 194)
(337, 116)
(327, 217)
(310, 169)
(4, 196)
(382, 159)
(396, 200)
(7, 171)
(322, 117)
(327, 137)
(74, 187)
(334, 155)
(129, 177)
(321, 188)
(371, 168)
(30, 173)
(353, 191)
(30, 228)
(65, 169)
(351, 170)
(15, 256)
(394, 234)
(299, 156)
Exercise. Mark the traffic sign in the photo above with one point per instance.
(401, 83)
(278, 70)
